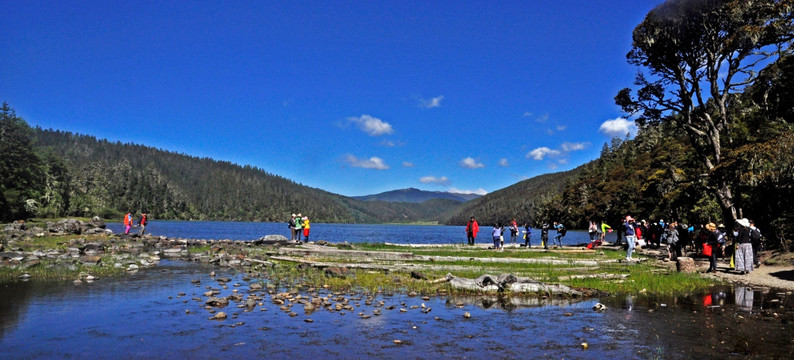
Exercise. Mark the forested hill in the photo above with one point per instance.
(522, 201)
(413, 195)
(106, 178)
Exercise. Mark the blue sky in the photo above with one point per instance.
(351, 97)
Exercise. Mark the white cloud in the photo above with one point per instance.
(372, 125)
(541, 152)
(504, 162)
(479, 191)
(542, 118)
(431, 103)
(470, 163)
(566, 146)
(371, 163)
(408, 164)
(527, 114)
(561, 127)
(618, 127)
(434, 180)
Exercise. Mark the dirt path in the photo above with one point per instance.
(779, 277)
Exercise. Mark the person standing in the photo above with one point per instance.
(496, 234)
(142, 223)
(711, 241)
(527, 235)
(744, 250)
(604, 229)
(513, 231)
(305, 229)
(628, 229)
(755, 240)
(621, 232)
(673, 250)
(472, 228)
(544, 235)
(292, 228)
(127, 222)
(592, 230)
(298, 227)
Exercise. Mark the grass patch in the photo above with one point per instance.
(49, 270)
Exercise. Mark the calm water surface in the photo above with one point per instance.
(142, 316)
(353, 233)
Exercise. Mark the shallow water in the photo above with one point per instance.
(142, 316)
(353, 233)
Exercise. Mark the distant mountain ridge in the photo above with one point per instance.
(413, 195)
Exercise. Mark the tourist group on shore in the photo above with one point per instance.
(498, 233)
(299, 225)
(710, 240)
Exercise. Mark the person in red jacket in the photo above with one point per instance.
(471, 230)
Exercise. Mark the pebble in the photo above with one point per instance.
(467, 315)
(308, 320)
(398, 342)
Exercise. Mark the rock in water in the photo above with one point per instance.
(467, 315)
(599, 307)
(220, 315)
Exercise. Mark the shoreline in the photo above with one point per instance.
(91, 252)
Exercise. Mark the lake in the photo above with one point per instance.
(144, 316)
(352, 233)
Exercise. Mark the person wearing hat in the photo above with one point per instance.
(298, 227)
(629, 231)
(306, 228)
(744, 247)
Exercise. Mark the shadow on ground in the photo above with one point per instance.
(784, 275)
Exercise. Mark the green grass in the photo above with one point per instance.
(49, 270)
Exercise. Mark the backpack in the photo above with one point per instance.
(755, 235)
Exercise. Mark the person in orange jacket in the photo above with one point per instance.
(128, 222)
(472, 228)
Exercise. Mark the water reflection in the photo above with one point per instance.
(144, 316)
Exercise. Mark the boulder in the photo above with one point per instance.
(90, 260)
(97, 222)
(217, 302)
(271, 240)
(685, 265)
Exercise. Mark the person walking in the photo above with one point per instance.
(561, 231)
(305, 229)
(127, 222)
(744, 250)
(142, 223)
(755, 240)
(628, 229)
(710, 246)
(527, 235)
(472, 228)
(298, 227)
(291, 225)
